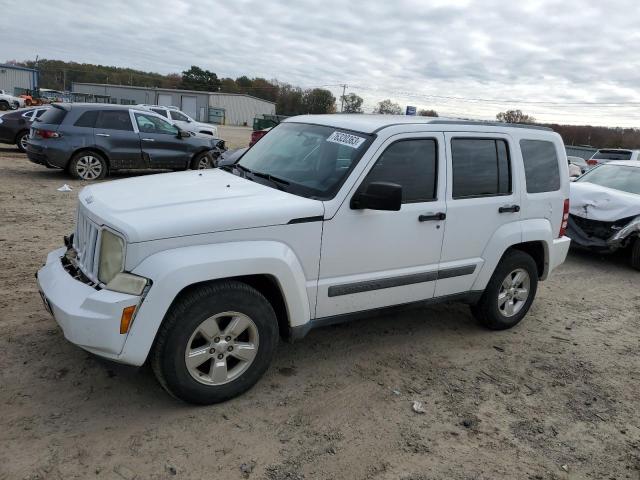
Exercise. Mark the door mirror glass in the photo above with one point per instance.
(379, 196)
(184, 134)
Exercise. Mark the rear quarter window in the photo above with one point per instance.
(87, 119)
(53, 116)
(542, 173)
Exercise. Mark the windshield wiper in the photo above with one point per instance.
(273, 178)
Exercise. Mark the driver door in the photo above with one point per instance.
(373, 258)
(161, 145)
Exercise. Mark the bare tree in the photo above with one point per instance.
(514, 116)
(428, 113)
(387, 107)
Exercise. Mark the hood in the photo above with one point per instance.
(168, 205)
(594, 202)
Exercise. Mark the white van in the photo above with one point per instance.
(326, 218)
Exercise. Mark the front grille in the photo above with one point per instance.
(85, 243)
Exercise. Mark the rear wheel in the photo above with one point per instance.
(635, 254)
(509, 293)
(21, 141)
(215, 343)
(4, 105)
(88, 166)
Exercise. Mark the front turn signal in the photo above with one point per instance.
(127, 319)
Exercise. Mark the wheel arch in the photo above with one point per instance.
(268, 266)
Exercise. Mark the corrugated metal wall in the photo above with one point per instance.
(12, 78)
(240, 109)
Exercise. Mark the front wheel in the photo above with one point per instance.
(509, 293)
(202, 161)
(215, 343)
(635, 254)
(4, 106)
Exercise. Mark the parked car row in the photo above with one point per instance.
(15, 126)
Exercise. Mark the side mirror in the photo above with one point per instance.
(379, 196)
(183, 134)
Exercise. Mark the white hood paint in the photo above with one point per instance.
(194, 202)
(595, 202)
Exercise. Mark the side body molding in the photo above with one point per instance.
(173, 270)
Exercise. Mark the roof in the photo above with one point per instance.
(177, 90)
(16, 67)
(371, 123)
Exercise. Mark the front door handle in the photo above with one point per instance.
(148, 140)
(102, 135)
(432, 216)
(509, 208)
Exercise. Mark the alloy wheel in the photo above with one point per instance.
(222, 348)
(89, 167)
(23, 141)
(514, 292)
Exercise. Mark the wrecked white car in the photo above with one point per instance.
(605, 209)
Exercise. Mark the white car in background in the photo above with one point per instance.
(182, 120)
(605, 155)
(10, 102)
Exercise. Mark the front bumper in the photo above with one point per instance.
(89, 318)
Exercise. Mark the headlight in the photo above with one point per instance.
(111, 256)
(624, 232)
(128, 283)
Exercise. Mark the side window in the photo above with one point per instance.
(160, 111)
(28, 115)
(541, 169)
(178, 116)
(114, 120)
(411, 164)
(153, 124)
(481, 167)
(40, 112)
(87, 119)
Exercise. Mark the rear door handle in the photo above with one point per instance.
(432, 216)
(148, 140)
(509, 208)
(102, 135)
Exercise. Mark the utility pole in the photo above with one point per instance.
(64, 80)
(344, 88)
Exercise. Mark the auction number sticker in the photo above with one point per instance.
(352, 141)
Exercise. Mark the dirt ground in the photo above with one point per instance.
(554, 398)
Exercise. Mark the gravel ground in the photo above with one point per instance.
(554, 398)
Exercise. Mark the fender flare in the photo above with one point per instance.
(509, 235)
(173, 270)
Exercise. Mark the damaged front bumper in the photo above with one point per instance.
(600, 235)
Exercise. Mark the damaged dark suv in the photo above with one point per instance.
(605, 209)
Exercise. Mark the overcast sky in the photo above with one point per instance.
(490, 55)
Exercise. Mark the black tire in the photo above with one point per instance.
(22, 136)
(4, 105)
(185, 317)
(76, 170)
(635, 254)
(487, 310)
(201, 159)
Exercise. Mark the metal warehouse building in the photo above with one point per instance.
(12, 78)
(213, 107)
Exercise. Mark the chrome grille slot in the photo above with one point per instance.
(85, 243)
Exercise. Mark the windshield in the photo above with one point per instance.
(618, 177)
(612, 155)
(303, 159)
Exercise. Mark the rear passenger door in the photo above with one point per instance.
(483, 201)
(115, 135)
(161, 145)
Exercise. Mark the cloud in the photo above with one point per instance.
(412, 51)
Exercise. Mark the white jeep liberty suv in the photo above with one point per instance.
(328, 216)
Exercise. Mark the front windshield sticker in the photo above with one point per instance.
(352, 141)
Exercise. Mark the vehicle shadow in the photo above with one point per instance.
(620, 258)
